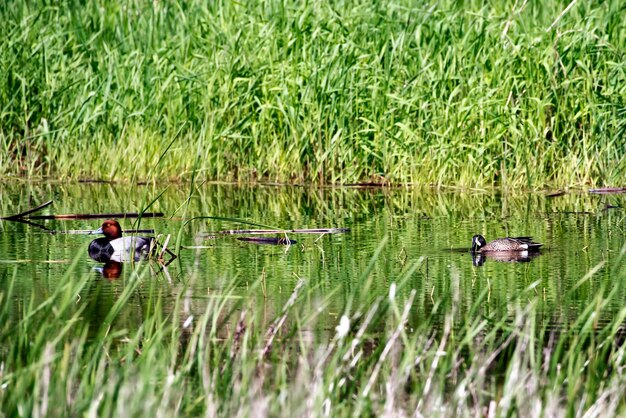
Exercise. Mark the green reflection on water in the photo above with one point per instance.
(427, 233)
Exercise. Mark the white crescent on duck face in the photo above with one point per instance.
(504, 244)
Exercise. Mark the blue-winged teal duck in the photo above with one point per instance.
(508, 244)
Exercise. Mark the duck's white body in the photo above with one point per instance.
(127, 249)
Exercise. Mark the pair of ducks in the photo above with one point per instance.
(115, 247)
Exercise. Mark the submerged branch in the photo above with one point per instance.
(22, 214)
(281, 231)
(100, 215)
(608, 190)
(90, 231)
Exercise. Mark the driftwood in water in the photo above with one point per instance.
(23, 215)
(100, 215)
(272, 240)
(90, 231)
(282, 231)
(268, 240)
(608, 190)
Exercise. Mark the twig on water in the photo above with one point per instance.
(280, 231)
(100, 215)
(608, 190)
(167, 240)
(22, 214)
(268, 240)
(167, 250)
(90, 231)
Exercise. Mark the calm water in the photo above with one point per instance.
(423, 237)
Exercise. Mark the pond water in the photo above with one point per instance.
(416, 238)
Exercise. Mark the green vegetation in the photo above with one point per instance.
(232, 330)
(458, 93)
(231, 360)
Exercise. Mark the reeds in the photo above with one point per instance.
(455, 93)
(230, 360)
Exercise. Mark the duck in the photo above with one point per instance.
(507, 244)
(114, 247)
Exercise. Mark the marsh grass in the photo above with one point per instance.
(231, 361)
(458, 93)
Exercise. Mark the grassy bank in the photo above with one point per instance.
(422, 92)
(232, 361)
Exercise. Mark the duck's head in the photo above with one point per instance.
(111, 229)
(477, 242)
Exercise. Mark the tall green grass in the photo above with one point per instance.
(462, 93)
(232, 361)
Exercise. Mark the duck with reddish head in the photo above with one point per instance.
(114, 247)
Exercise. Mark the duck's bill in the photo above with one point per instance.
(96, 231)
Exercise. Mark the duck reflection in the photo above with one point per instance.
(111, 270)
(478, 259)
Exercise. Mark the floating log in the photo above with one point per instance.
(572, 212)
(22, 214)
(96, 181)
(90, 231)
(608, 190)
(281, 231)
(268, 240)
(608, 206)
(100, 215)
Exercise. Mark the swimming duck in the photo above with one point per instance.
(508, 244)
(114, 247)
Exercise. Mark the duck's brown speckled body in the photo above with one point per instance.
(508, 244)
